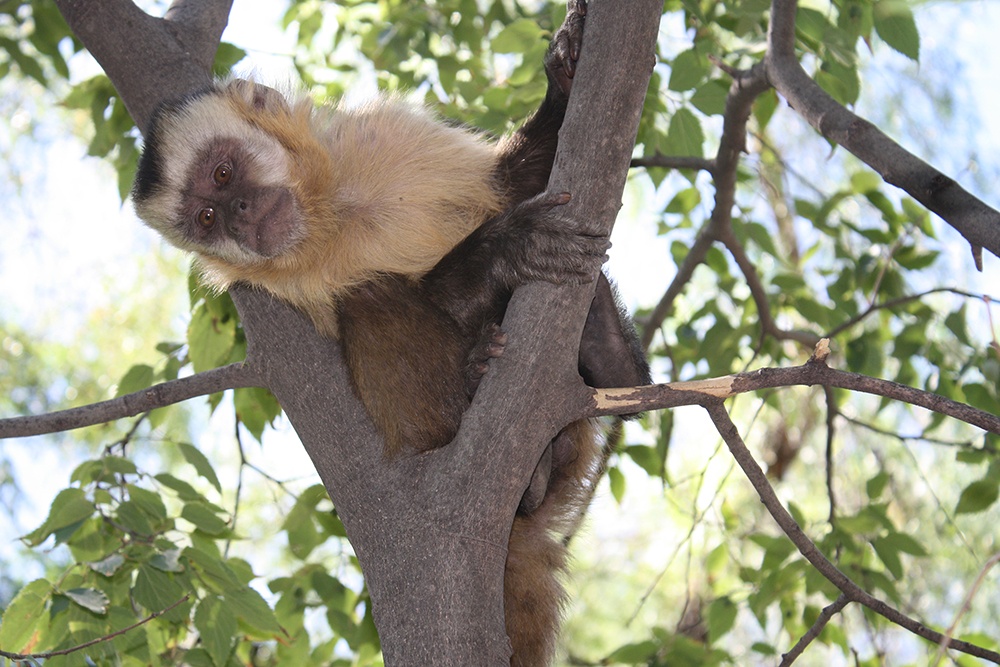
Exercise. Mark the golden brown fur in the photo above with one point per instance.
(395, 189)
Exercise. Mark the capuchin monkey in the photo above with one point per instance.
(402, 237)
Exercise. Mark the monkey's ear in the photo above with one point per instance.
(258, 96)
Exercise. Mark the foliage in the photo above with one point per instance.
(839, 253)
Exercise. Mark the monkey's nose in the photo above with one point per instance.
(239, 206)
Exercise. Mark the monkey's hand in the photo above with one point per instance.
(564, 51)
(535, 240)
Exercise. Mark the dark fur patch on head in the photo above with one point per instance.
(148, 172)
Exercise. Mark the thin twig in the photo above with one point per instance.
(831, 428)
(966, 604)
(899, 301)
(674, 162)
(88, 644)
(652, 397)
(167, 393)
(817, 627)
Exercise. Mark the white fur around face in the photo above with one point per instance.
(182, 136)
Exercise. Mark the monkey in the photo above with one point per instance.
(387, 226)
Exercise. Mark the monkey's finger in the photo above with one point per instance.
(549, 200)
(574, 33)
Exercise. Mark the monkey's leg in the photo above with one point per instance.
(406, 362)
(610, 354)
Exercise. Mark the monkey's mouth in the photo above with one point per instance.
(277, 229)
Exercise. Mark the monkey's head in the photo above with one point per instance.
(212, 179)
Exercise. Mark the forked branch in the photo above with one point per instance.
(973, 219)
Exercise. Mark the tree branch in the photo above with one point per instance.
(814, 372)
(974, 220)
(176, 54)
(808, 549)
(674, 162)
(18, 657)
(745, 88)
(201, 384)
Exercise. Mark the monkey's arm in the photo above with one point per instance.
(526, 156)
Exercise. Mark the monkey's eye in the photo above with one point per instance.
(206, 217)
(222, 174)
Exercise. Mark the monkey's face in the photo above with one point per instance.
(213, 183)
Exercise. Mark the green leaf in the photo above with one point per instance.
(256, 408)
(721, 616)
(889, 556)
(148, 502)
(105, 469)
(109, 565)
(763, 649)
(183, 490)
(877, 484)
(684, 136)
(684, 202)
(842, 83)
(980, 397)
(210, 338)
(226, 57)
(303, 536)
(894, 23)
(70, 507)
(519, 36)
(249, 607)
(631, 654)
(216, 627)
(194, 456)
(978, 496)
(25, 616)
(167, 560)
(131, 518)
(956, 325)
(137, 378)
(29, 66)
(716, 560)
(646, 458)
(156, 590)
(710, 97)
(204, 518)
(688, 70)
(616, 480)
(906, 544)
(90, 599)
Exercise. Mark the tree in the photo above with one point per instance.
(457, 600)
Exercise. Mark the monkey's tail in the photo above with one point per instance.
(533, 596)
(537, 555)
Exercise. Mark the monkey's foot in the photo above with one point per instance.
(490, 346)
